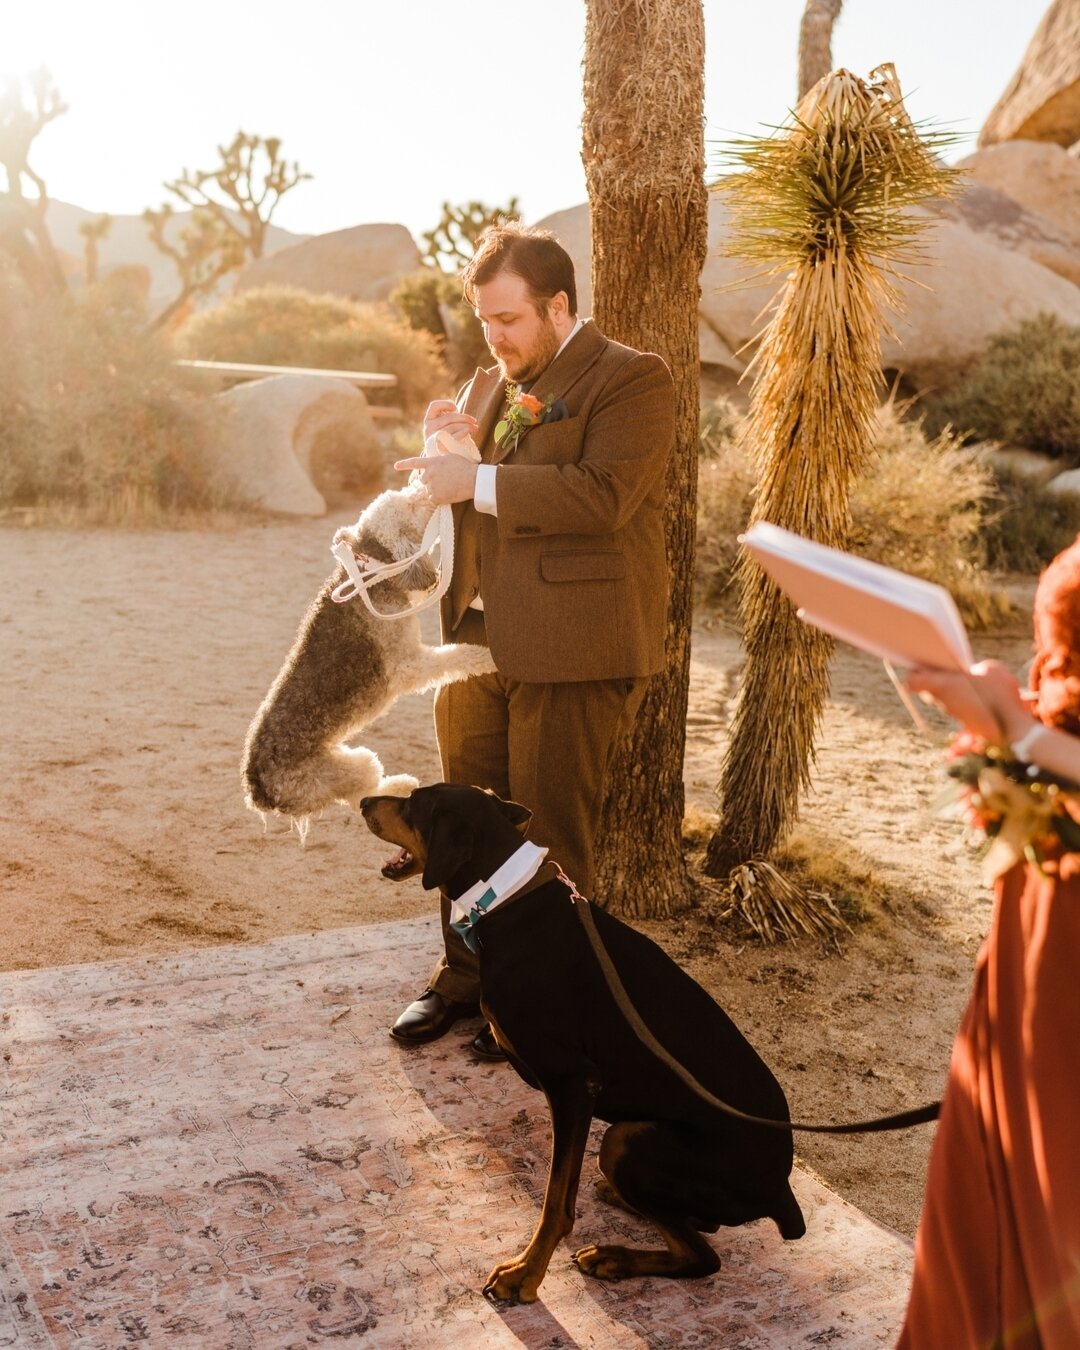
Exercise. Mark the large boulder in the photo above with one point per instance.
(364, 262)
(1043, 178)
(722, 327)
(969, 286)
(1005, 221)
(272, 440)
(1042, 102)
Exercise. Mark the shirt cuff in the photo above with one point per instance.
(484, 490)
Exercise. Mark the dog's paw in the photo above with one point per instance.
(397, 785)
(514, 1281)
(606, 1263)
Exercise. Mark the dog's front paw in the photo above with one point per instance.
(514, 1281)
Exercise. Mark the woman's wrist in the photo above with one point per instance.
(1023, 746)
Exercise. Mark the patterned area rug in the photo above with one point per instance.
(224, 1149)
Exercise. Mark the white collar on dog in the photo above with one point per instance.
(481, 899)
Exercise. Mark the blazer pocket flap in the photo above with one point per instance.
(583, 566)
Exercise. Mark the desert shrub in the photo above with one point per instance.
(918, 507)
(432, 302)
(93, 414)
(1024, 390)
(286, 326)
(1026, 526)
(725, 485)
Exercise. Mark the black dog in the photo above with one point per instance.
(668, 1155)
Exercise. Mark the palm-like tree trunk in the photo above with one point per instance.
(815, 42)
(644, 155)
(824, 202)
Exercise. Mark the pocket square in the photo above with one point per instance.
(558, 412)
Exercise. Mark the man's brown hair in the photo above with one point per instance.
(535, 256)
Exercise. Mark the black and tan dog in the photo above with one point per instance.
(668, 1154)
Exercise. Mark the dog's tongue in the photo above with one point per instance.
(398, 863)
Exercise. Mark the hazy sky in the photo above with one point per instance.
(398, 105)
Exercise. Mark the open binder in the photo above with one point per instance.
(902, 619)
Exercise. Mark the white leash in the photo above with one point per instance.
(363, 574)
(440, 531)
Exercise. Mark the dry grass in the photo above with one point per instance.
(94, 416)
(920, 505)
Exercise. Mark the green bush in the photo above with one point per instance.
(93, 414)
(918, 507)
(1024, 390)
(432, 302)
(1027, 526)
(286, 326)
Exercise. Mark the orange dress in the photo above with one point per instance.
(997, 1256)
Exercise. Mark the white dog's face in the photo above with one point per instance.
(397, 518)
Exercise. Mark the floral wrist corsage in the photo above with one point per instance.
(1023, 811)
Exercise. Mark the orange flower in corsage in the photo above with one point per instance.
(1023, 811)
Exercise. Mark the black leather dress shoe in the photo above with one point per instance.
(484, 1045)
(429, 1017)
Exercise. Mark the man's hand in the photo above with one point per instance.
(447, 477)
(443, 415)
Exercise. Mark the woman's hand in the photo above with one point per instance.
(986, 699)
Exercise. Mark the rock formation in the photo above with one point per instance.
(363, 263)
(272, 440)
(1042, 102)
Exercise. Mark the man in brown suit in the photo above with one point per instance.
(559, 566)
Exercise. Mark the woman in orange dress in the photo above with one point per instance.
(997, 1255)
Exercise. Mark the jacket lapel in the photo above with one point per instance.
(575, 360)
(487, 393)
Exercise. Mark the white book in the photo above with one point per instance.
(902, 619)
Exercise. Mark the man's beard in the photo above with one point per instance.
(528, 366)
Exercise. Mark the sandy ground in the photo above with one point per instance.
(132, 664)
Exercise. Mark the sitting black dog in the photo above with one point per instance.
(668, 1154)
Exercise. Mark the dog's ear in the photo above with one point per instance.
(518, 815)
(449, 845)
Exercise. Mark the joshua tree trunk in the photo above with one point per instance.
(815, 41)
(644, 155)
(826, 205)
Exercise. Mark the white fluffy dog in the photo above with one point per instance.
(344, 669)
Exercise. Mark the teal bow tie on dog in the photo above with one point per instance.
(468, 909)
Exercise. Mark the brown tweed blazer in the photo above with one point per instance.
(573, 570)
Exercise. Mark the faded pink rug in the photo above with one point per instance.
(224, 1149)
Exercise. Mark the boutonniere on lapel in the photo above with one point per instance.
(524, 411)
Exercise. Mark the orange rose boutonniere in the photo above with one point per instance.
(522, 411)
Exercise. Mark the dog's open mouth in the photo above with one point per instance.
(402, 864)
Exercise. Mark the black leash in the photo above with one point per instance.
(900, 1121)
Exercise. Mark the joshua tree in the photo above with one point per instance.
(93, 232)
(231, 207)
(27, 105)
(243, 192)
(644, 155)
(815, 42)
(203, 250)
(452, 242)
(823, 201)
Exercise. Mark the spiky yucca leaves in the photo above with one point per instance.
(824, 200)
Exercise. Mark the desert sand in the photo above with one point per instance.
(133, 663)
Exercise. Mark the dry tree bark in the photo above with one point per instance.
(644, 156)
